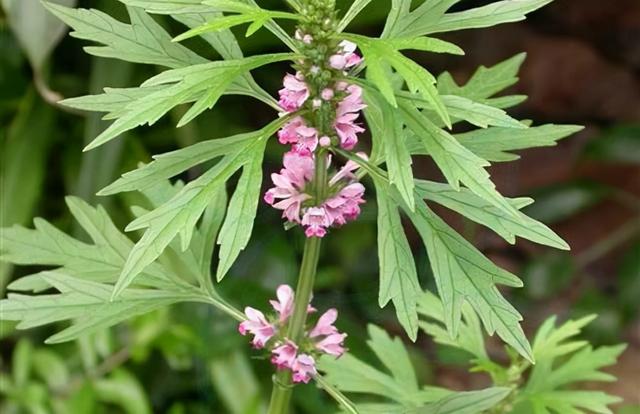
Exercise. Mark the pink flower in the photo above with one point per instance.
(324, 326)
(345, 206)
(289, 185)
(289, 133)
(324, 141)
(284, 356)
(284, 304)
(307, 140)
(346, 57)
(316, 221)
(304, 368)
(303, 138)
(305, 38)
(294, 94)
(347, 170)
(257, 325)
(332, 344)
(346, 115)
(327, 94)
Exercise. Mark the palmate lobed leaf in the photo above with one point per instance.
(203, 83)
(86, 273)
(47, 246)
(431, 17)
(463, 274)
(354, 10)
(496, 143)
(248, 13)
(485, 82)
(180, 214)
(479, 114)
(172, 163)
(475, 208)
(352, 375)
(562, 362)
(85, 302)
(169, 6)
(380, 52)
(493, 14)
(238, 225)
(398, 276)
(456, 162)
(470, 336)
(142, 41)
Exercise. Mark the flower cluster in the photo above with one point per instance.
(323, 338)
(294, 192)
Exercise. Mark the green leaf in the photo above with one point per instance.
(399, 9)
(247, 14)
(170, 164)
(550, 341)
(485, 82)
(388, 128)
(210, 226)
(495, 144)
(351, 375)
(506, 11)
(418, 79)
(425, 44)
(238, 225)
(142, 41)
(408, 23)
(225, 43)
(470, 335)
(83, 298)
(457, 163)
(220, 23)
(470, 402)
(573, 401)
(86, 303)
(475, 208)
(48, 246)
(398, 276)
(394, 356)
(462, 274)
(113, 101)
(343, 401)
(203, 83)
(169, 6)
(178, 216)
(479, 114)
(584, 365)
(562, 361)
(356, 7)
(181, 213)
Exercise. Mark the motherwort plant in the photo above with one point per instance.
(341, 87)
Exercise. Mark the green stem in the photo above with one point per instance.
(282, 384)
